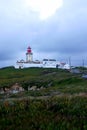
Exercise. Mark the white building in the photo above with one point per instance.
(45, 63)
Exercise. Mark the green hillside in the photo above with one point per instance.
(58, 103)
(51, 79)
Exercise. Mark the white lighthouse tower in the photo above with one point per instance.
(29, 55)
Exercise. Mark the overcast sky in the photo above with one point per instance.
(53, 28)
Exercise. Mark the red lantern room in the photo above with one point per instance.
(29, 50)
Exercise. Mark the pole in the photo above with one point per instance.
(83, 66)
(70, 62)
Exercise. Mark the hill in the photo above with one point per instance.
(52, 79)
(59, 100)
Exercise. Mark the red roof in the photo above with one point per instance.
(29, 50)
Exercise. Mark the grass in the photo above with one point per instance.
(61, 113)
(61, 104)
(50, 79)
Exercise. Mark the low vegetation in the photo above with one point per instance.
(58, 102)
(58, 113)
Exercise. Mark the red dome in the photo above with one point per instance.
(29, 50)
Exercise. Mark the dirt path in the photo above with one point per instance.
(45, 97)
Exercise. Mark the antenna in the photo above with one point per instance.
(70, 62)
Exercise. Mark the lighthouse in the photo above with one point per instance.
(29, 55)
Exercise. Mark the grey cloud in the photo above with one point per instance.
(63, 34)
